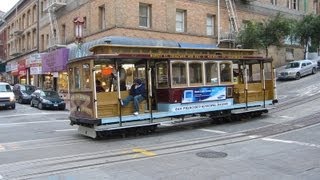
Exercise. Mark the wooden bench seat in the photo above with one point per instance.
(108, 104)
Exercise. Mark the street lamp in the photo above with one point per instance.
(78, 21)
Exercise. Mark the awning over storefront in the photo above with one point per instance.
(55, 61)
(83, 50)
(197, 46)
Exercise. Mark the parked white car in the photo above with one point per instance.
(6, 96)
(297, 69)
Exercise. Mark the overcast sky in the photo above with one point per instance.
(6, 5)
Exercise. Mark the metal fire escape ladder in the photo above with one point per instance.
(52, 8)
(232, 15)
(54, 28)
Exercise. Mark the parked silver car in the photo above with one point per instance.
(297, 69)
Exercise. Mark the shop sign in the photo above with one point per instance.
(22, 67)
(14, 68)
(35, 70)
(33, 59)
(55, 61)
(8, 67)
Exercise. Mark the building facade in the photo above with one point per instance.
(39, 33)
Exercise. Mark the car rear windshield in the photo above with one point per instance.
(293, 65)
(27, 88)
(5, 88)
(52, 94)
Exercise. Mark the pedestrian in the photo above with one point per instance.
(137, 94)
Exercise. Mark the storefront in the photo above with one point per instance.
(54, 66)
(12, 69)
(22, 72)
(34, 67)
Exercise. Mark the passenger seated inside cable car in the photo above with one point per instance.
(137, 94)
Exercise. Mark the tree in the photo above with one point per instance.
(249, 37)
(307, 31)
(262, 35)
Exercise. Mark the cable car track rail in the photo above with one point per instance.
(48, 166)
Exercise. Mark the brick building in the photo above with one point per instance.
(45, 26)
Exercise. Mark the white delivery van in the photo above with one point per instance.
(6, 96)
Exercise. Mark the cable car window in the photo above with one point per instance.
(71, 78)
(195, 72)
(179, 74)
(225, 72)
(86, 76)
(162, 75)
(77, 78)
(211, 69)
(141, 72)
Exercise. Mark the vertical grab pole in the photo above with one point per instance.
(119, 94)
(275, 85)
(246, 84)
(264, 85)
(150, 94)
(95, 92)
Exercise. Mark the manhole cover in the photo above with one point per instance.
(211, 154)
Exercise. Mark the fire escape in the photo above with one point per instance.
(52, 7)
(230, 36)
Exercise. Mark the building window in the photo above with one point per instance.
(84, 22)
(293, 4)
(63, 34)
(210, 25)
(34, 12)
(273, 2)
(48, 41)
(34, 36)
(144, 15)
(102, 17)
(180, 21)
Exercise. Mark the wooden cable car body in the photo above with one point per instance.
(179, 81)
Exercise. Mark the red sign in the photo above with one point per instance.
(22, 67)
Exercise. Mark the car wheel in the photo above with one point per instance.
(314, 70)
(298, 76)
(40, 106)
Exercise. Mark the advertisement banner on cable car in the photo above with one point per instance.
(204, 94)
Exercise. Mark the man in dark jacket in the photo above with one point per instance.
(137, 94)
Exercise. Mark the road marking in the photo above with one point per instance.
(32, 114)
(292, 142)
(1, 177)
(32, 122)
(144, 152)
(62, 130)
(2, 148)
(214, 131)
(254, 136)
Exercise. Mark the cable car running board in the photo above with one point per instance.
(249, 110)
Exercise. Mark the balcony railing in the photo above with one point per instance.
(55, 43)
(228, 36)
(55, 5)
(15, 52)
(17, 31)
